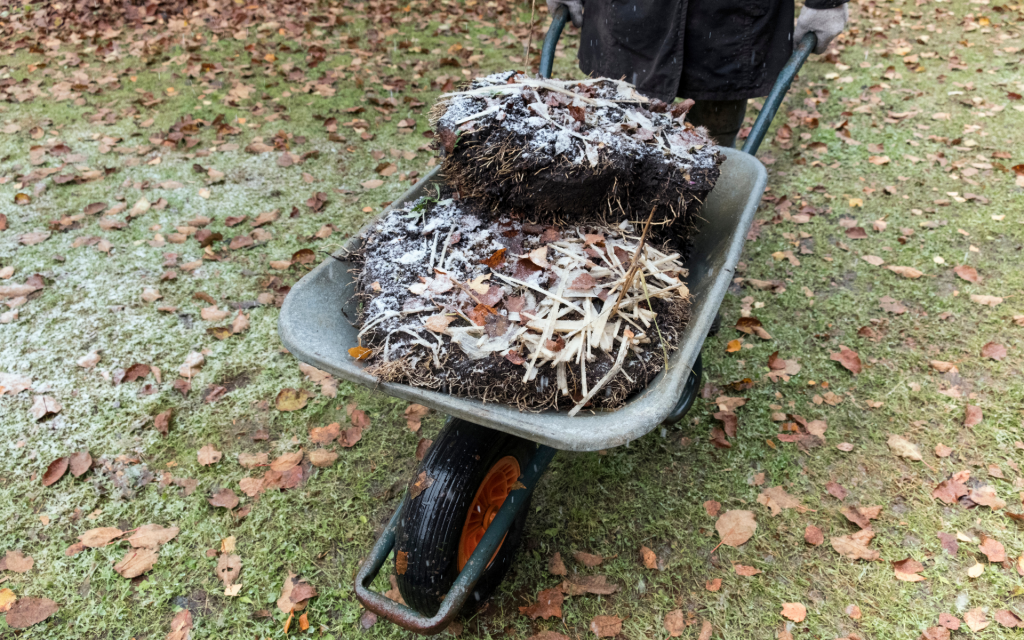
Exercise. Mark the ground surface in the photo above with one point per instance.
(900, 145)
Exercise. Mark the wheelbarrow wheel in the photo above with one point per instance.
(471, 470)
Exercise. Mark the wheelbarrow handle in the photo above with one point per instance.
(778, 92)
(771, 103)
(547, 53)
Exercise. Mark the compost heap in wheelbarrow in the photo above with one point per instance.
(579, 151)
(459, 299)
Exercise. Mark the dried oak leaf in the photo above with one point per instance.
(224, 498)
(294, 594)
(136, 562)
(26, 612)
(1008, 619)
(976, 619)
(349, 437)
(907, 570)
(736, 527)
(590, 560)
(548, 605)
(16, 561)
(904, 448)
(794, 611)
(968, 273)
(152, 536)
(229, 566)
(949, 621)
(675, 623)
(606, 626)
(972, 415)
(414, 414)
(291, 399)
(79, 463)
(848, 358)
(555, 565)
(649, 558)
(951, 489)
(322, 458)
(597, 585)
(993, 549)
(99, 537)
(776, 499)
(181, 625)
(254, 460)
(855, 546)
(813, 535)
(714, 585)
(55, 471)
(862, 516)
(208, 455)
(286, 461)
(993, 351)
(745, 570)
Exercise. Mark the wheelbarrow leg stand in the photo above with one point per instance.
(462, 589)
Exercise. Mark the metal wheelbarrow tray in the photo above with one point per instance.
(313, 327)
(316, 326)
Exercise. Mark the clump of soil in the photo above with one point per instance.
(459, 299)
(576, 152)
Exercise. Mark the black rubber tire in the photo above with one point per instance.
(430, 525)
(690, 392)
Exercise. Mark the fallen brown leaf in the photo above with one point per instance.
(548, 605)
(136, 562)
(26, 612)
(736, 527)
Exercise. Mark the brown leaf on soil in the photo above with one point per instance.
(836, 490)
(414, 415)
(26, 612)
(675, 623)
(606, 626)
(891, 305)
(934, 633)
(813, 535)
(986, 496)
(596, 585)
(861, 516)
(181, 625)
(942, 366)
(1008, 619)
(706, 630)
(251, 487)
(794, 611)
(993, 351)
(712, 507)
(208, 455)
(993, 549)
(949, 543)
(438, 322)
(907, 272)
(136, 562)
(649, 558)
(16, 561)
(855, 546)
(951, 489)
(540, 635)
(162, 421)
(322, 458)
(349, 437)
(942, 451)
(848, 358)
(99, 537)
(949, 621)
(714, 585)
(224, 498)
(253, 460)
(294, 594)
(229, 566)
(7, 598)
(291, 399)
(548, 605)
(588, 559)
(986, 301)
(152, 536)
(422, 447)
(583, 282)
(968, 273)
(744, 570)
(853, 611)
(55, 471)
(286, 461)
(904, 448)
(972, 415)
(976, 619)
(357, 417)
(323, 435)
(736, 527)
(79, 463)
(776, 499)
(907, 570)
(43, 406)
(496, 260)
(556, 567)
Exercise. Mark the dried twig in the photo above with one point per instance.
(635, 263)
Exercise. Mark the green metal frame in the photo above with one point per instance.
(461, 591)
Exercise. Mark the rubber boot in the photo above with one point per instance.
(723, 118)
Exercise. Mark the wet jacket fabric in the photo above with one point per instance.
(700, 49)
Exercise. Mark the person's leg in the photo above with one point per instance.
(723, 118)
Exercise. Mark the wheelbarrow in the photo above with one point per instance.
(456, 532)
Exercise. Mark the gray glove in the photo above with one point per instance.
(575, 10)
(824, 23)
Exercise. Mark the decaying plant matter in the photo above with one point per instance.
(575, 151)
(456, 298)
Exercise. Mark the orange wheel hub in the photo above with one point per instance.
(496, 486)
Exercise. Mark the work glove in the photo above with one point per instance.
(575, 10)
(824, 23)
